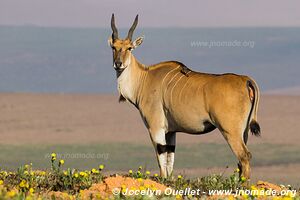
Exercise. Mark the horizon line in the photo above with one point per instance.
(152, 27)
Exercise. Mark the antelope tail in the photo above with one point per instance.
(254, 98)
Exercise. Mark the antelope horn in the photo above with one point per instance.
(130, 32)
(114, 28)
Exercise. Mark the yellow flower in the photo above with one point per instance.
(237, 170)
(142, 188)
(132, 188)
(83, 174)
(123, 186)
(65, 173)
(53, 156)
(76, 175)
(130, 171)
(155, 175)
(11, 193)
(140, 168)
(231, 197)
(23, 184)
(31, 190)
(178, 196)
(147, 172)
(32, 173)
(5, 173)
(140, 180)
(253, 187)
(61, 162)
(26, 166)
(243, 179)
(1, 182)
(101, 167)
(26, 172)
(243, 194)
(289, 194)
(94, 171)
(179, 177)
(42, 173)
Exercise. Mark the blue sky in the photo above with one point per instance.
(163, 13)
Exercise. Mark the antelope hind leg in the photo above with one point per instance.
(241, 152)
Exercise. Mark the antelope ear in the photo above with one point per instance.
(110, 41)
(138, 42)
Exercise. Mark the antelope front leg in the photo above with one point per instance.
(171, 143)
(159, 142)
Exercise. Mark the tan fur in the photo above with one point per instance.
(171, 101)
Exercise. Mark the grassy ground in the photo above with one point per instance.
(56, 183)
(271, 162)
(125, 155)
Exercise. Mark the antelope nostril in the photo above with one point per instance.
(118, 64)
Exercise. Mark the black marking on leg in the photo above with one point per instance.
(171, 148)
(161, 148)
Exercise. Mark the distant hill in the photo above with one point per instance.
(295, 91)
(38, 59)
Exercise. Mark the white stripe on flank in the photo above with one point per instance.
(169, 73)
(182, 75)
(170, 83)
(164, 92)
(184, 85)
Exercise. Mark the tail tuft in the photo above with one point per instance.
(255, 128)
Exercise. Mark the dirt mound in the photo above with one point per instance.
(115, 185)
(268, 186)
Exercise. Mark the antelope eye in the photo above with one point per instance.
(114, 48)
(129, 49)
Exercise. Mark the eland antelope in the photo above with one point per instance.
(172, 98)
